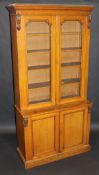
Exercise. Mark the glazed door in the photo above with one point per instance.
(40, 61)
(72, 59)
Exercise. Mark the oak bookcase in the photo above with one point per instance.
(50, 50)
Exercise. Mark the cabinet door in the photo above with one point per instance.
(44, 133)
(38, 61)
(72, 54)
(73, 128)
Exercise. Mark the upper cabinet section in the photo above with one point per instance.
(50, 46)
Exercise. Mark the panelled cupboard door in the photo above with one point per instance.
(72, 54)
(38, 34)
(73, 129)
(44, 135)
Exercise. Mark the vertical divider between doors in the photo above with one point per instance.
(57, 65)
(58, 56)
(53, 60)
(61, 132)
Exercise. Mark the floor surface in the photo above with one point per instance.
(83, 164)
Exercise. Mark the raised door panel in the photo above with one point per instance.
(45, 135)
(73, 129)
(72, 35)
(38, 35)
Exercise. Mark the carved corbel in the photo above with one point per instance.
(25, 122)
(89, 111)
(89, 18)
(18, 21)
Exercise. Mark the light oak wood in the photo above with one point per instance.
(44, 129)
(60, 155)
(71, 132)
(50, 52)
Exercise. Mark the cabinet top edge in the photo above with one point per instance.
(20, 6)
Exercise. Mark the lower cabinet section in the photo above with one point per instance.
(54, 135)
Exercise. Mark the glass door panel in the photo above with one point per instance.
(38, 43)
(71, 36)
(70, 89)
(69, 56)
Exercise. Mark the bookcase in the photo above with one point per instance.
(50, 52)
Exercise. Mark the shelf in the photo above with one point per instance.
(42, 50)
(45, 84)
(39, 101)
(71, 64)
(38, 34)
(38, 85)
(71, 33)
(73, 80)
(48, 66)
(71, 48)
(38, 67)
(69, 96)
